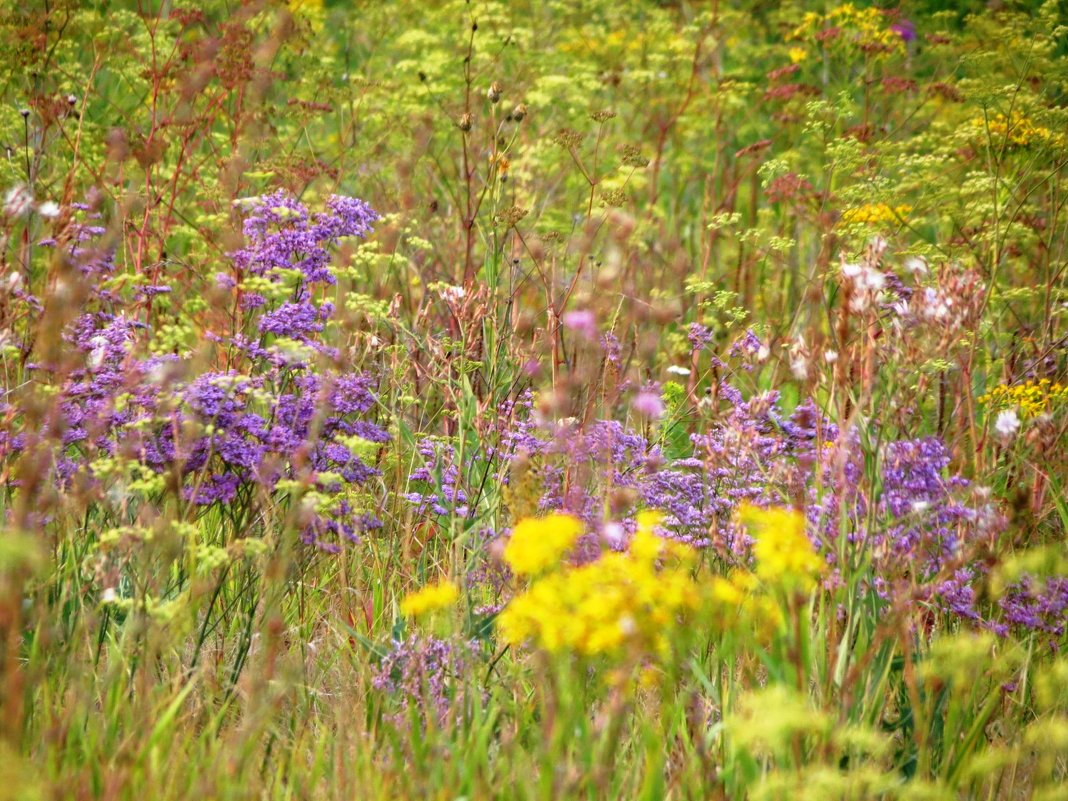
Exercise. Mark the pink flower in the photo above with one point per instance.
(647, 403)
(582, 322)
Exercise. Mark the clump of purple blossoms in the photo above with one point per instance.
(224, 436)
(424, 676)
(1038, 605)
(911, 526)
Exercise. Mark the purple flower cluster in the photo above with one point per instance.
(1036, 605)
(911, 525)
(223, 433)
(438, 485)
(425, 676)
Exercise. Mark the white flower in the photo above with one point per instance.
(830, 356)
(762, 353)
(49, 209)
(874, 280)
(98, 353)
(916, 265)
(109, 596)
(799, 367)
(850, 270)
(1007, 424)
(614, 533)
(452, 294)
(677, 369)
(18, 201)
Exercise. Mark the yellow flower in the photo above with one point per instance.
(630, 602)
(538, 543)
(430, 598)
(797, 54)
(783, 552)
(874, 213)
(1016, 130)
(1031, 397)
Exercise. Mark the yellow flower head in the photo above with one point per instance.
(538, 543)
(1031, 397)
(876, 213)
(622, 602)
(783, 552)
(430, 598)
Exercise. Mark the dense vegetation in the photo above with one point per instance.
(550, 400)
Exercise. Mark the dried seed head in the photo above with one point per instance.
(494, 92)
(568, 138)
(519, 112)
(632, 157)
(510, 216)
(464, 123)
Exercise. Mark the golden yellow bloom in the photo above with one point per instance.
(861, 27)
(538, 543)
(797, 54)
(622, 602)
(1015, 130)
(873, 213)
(430, 598)
(1032, 397)
(783, 552)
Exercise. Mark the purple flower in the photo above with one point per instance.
(293, 320)
(700, 336)
(905, 29)
(222, 437)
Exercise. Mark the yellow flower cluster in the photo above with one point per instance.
(539, 543)
(866, 26)
(613, 42)
(628, 602)
(430, 598)
(783, 552)
(1016, 130)
(1032, 397)
(785, 560)
(872, 213)
(740, 601)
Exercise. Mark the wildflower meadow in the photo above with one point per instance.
(534, 400)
